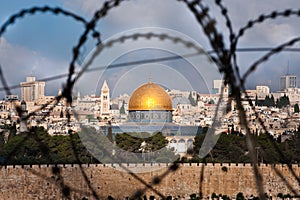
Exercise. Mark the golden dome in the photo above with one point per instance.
(150, 96)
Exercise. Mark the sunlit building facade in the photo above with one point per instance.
(288, 81)
(32, 90)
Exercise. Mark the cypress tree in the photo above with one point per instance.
(192, 100)
(296, 108)
(122, 109)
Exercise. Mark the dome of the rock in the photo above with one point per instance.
(150, 96)
(150, 102)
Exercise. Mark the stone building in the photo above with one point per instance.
(32, 90)
(288, 81)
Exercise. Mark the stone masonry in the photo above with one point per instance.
(76, 181)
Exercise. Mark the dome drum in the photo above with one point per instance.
(150, 116)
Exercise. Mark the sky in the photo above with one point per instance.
(41, 45)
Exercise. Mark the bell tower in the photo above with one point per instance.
(105, 100)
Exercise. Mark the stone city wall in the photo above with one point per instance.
(50, 182)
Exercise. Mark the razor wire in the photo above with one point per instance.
(224, 58)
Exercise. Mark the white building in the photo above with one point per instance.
(262, 91)
(32, 90)
(186, 94)
(288, 81)
(218, 85)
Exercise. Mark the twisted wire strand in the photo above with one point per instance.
(231, 52)
(46, 9)
(264, 58)
(135, 37)
(250, 70)
(262, 18)
(108, 5)
(224, 12)
(167, 58)
(225, 59)
(251, 23)
(110, 43)
(266, 130)
(35, 10)
(225, 66)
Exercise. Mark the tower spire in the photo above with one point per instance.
(150, 77)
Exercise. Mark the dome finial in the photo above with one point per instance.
(150, 77)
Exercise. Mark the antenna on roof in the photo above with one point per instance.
(288, 68)
(150, 77)
(269, 84)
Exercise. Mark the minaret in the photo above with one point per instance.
(105, 101)
(78, 95)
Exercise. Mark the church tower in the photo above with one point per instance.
(105, 100)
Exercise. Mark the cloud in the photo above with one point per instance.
(175, 15)
(278, 33)
(165, 14)
(88, 7)
(138, 14)
(18, 62)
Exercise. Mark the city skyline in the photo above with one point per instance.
(180, 132)
(48, 52)
(32, 81)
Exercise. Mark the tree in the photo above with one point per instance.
(192, 100)
(296, 108)
(214, 196)
(256, 100)
(128, 142)
(211, 101)
(280, 195)
(240, 196)
(288, 101)
(38, 147)
(283, 101)
(12, 131)
(132, 142)
(61, 114)
(272, 101)
(109, 132)
(267, 101)
(122, 109)
(277, 103)
(2, 141)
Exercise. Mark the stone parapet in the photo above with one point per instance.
(76, 181)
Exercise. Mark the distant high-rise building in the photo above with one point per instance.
(262, 91)
(217, 87)
(11, 97)
(32, 90)
(288, 81)
(105, 100)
